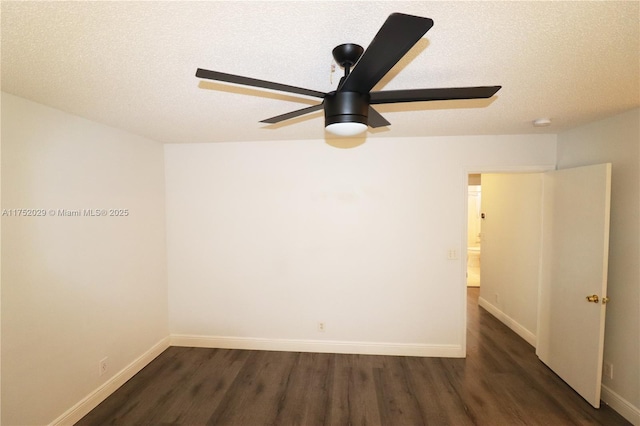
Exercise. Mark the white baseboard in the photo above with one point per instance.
(322, 346)
(91, 401)
(508, 321)
(621, 405)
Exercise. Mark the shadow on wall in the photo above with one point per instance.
(346, 143)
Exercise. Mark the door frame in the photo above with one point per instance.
(462, 285)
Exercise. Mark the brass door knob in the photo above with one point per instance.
(593, 298)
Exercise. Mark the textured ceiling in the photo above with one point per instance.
(131, 65)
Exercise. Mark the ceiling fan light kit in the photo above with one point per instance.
(346, 113)
(348, 110)
(348, 128)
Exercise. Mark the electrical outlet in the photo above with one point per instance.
(103, 366)
(321, 326)
(452, 254)
(607, 370)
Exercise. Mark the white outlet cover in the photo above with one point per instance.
(103, 366)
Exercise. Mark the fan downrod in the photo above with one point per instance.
(346, 55)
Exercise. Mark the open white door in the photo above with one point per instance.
(575, 251)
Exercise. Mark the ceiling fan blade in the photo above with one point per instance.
(375, 119)
(292, 114)
(397, 35)
(417, 95)
(254, 82)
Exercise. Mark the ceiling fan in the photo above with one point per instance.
(348, 110)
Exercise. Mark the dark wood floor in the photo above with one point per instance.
(501, 382)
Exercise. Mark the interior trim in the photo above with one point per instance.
(320, 346)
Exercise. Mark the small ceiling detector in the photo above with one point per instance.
(542, 122)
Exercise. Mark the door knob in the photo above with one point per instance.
(593, 298)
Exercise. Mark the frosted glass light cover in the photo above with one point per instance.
(346, 129)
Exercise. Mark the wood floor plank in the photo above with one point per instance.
(306, 400)
(439, 402)
(354, 397)
(256, 396)
(501, 382)
(397, 402)
(195, 405)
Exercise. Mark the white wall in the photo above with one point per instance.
(617, 140)
(511, 248)
(267, 239)
(76, 289)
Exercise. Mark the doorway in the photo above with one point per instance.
(560, 219)
(474, 229)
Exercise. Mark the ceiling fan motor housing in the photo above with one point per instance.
(346, 107)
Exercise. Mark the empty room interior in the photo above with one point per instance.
(147, 210)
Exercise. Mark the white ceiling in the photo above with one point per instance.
(131, 65)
